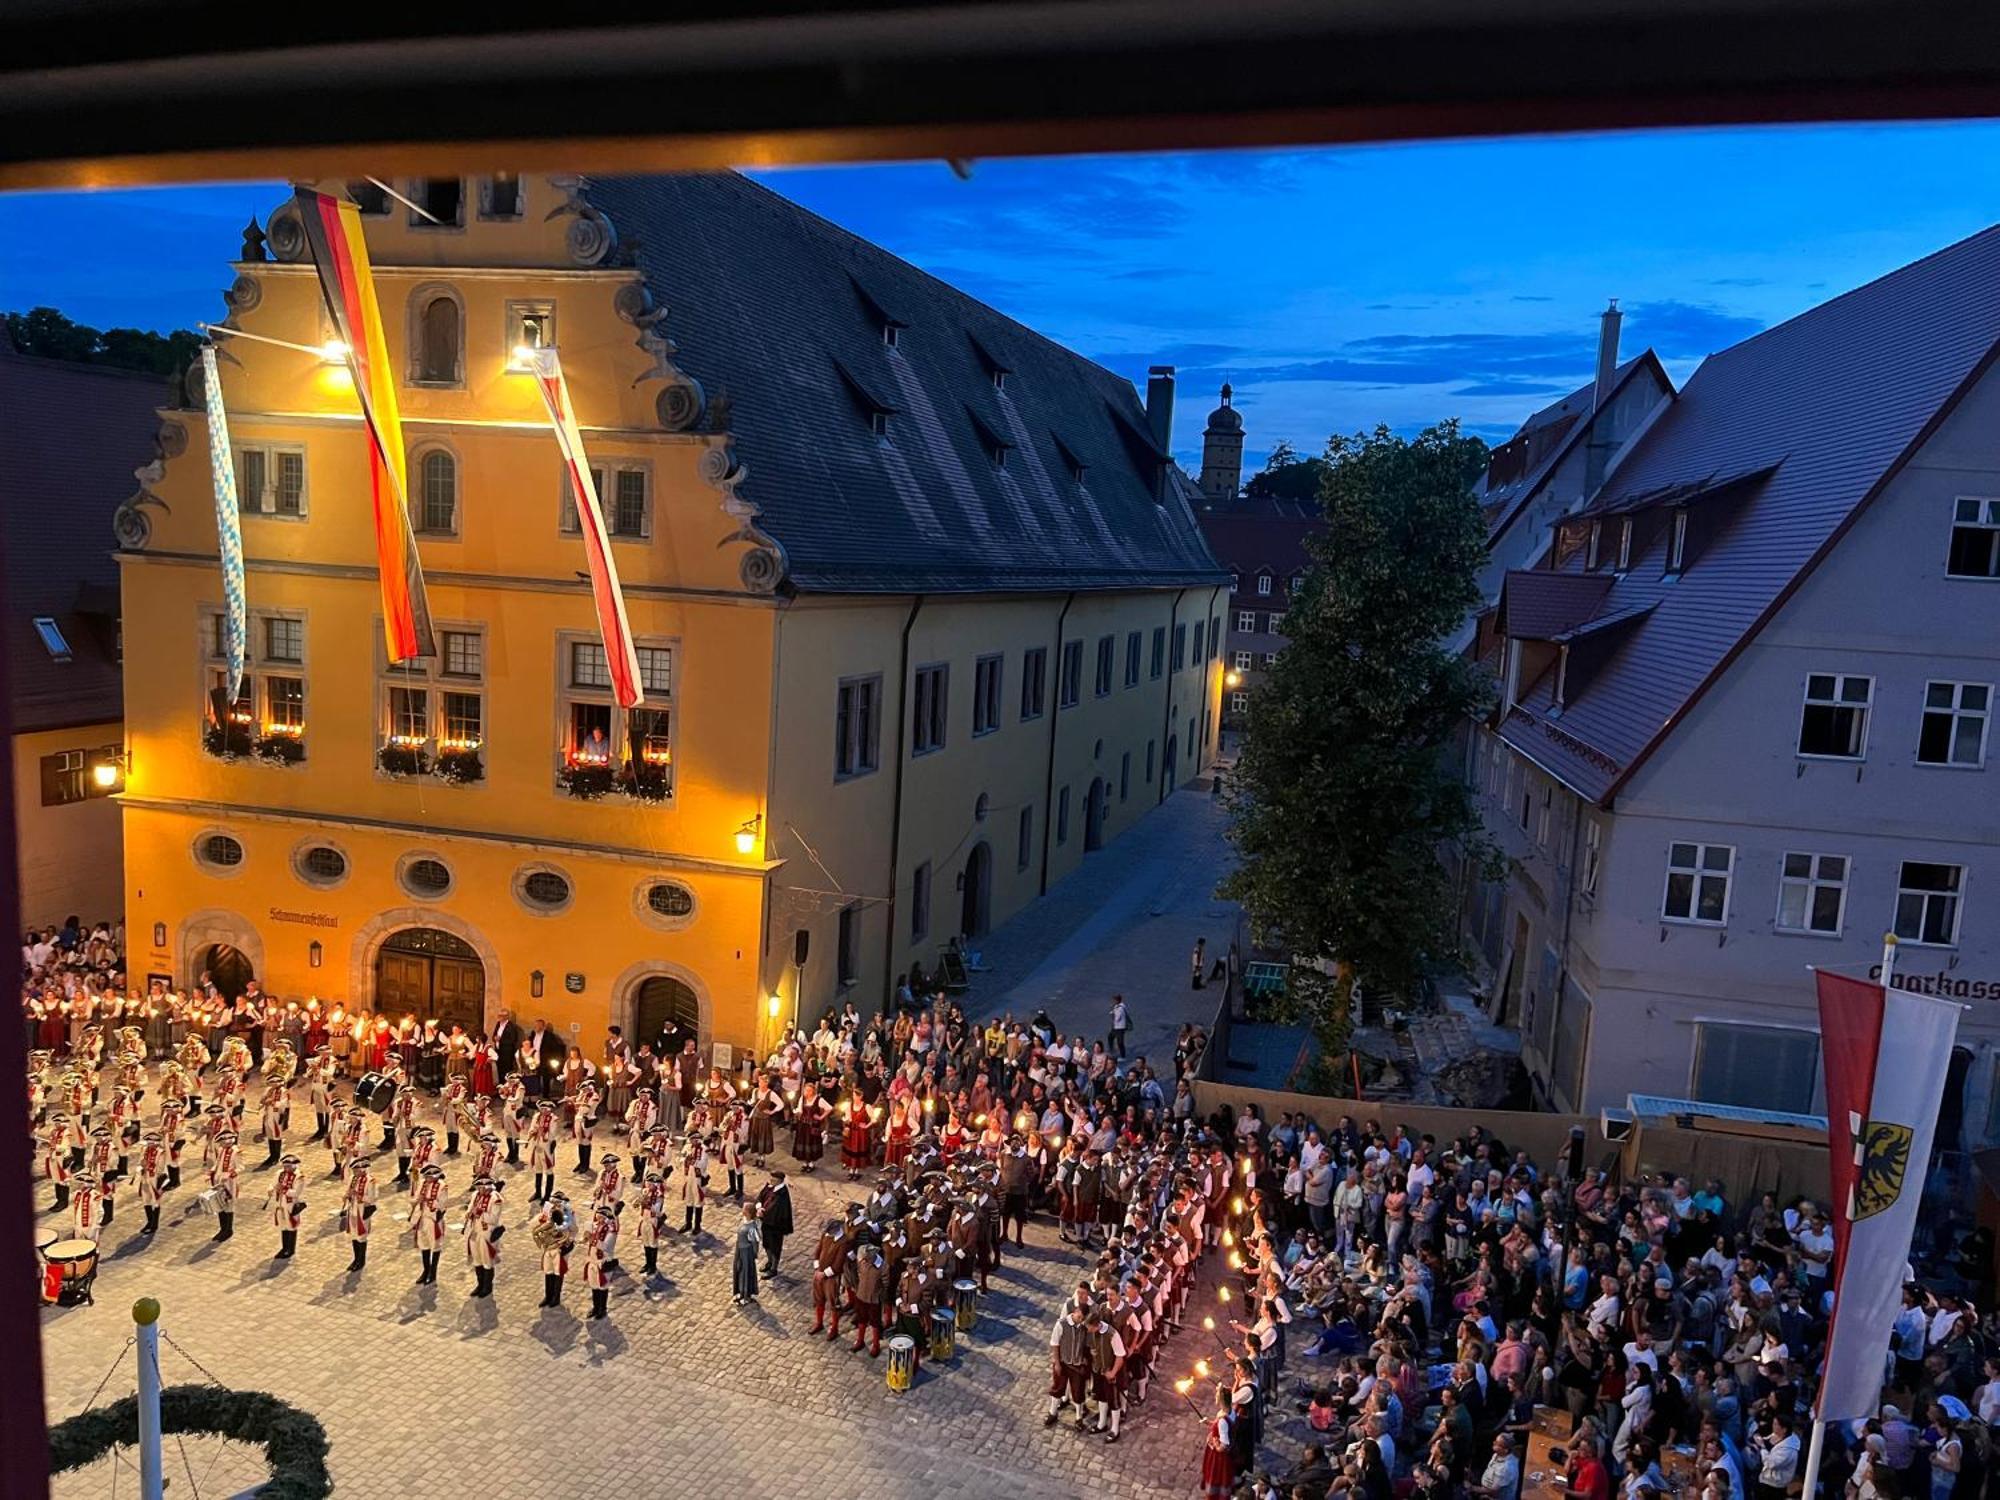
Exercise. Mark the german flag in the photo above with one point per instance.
(340, 255)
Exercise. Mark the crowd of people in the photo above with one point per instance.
(1412, 1315)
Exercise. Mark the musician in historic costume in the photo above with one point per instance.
(485, 1156)
(485, 1222)
(732, 1134)
(829, 1276)
(1069, 1351)
(693, 1185)
(286, 1206)
(151, 1177)
(652, 1210)
(222, 1171)
(124, 1125)
(608, 1193)
(271, 1122)
(809, 1128)
(427, 1221)
(597, 1241)
(542, 1150)
(350, 1139)
(423, 1153)
(89, 1206)
(916, 1295)
(639, 1117)
(514, 1115)
(866, 1278)
(399, 1129)
(743, 1267)
(357, 1204)
(339, 1040)
(585, 1102)
(452, 1111)
(766, 1105)
(100, 1155)
(319, 1093)
(56, 1158)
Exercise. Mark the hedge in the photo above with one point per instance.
(294, 1443)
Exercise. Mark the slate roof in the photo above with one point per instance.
(783, 312)
(1539, 604)
(1255, 536)
(70, 437)
(1545, 439)
(1827, 406)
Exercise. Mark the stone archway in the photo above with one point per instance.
(372, 934)
(204, 929)
(625, 999)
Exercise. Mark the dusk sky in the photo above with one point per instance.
(1337, 288)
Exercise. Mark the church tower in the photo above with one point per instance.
(1222, 452)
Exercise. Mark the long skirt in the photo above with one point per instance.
(763, 1137)
(808, 1142)
(857, 1145)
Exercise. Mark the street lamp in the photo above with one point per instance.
(1233, 678)
(746, 836)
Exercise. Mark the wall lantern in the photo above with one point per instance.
(159, 934)
(535, 984)
(776, 1003)
(314, 953)
(746, 836)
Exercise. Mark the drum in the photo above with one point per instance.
(209, 1201)
(944, 1333)
(74, 1262)
(902, 1362)
(375, 1091)
(965, 1294)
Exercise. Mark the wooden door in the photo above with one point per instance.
(458, 993)
(403, 985)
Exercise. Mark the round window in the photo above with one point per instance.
(323, 862)
(545, 888)
(221, 850)
(426, 877)
(670, 900)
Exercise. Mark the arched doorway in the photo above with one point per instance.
(978, 901)
(666, 1013)
(430, 974)
(227, 966)
(1093, 817)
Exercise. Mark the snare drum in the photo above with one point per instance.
(902, 1362)
(72, 1266)
(944, 1333)
(209, 1201)
(966, 1298)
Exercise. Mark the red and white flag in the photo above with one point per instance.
(1887, 1053)
(605, 592)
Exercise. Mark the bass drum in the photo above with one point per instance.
(376, 1092)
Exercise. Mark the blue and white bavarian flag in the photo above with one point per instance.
(228, 523)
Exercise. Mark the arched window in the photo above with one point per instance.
(437, 492)
(439, 335)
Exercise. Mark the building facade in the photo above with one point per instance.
(71, 436)
(1745, 701)
(878, 545)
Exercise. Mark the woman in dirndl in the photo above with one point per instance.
(766, 1104)
(857, 1140)
(809, 1128)
(1218, 1470)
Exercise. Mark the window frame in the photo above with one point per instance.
(1956, 895)
(570, 694)
(1024, 833)
(988, 687)
(416, 189)
(605, 474)
(1952, 715)
(1105, 666)
(1034, 683)
(269, 451)
(420, 498)
(1699, 872)
(1157, 666)
(1809, 885)
(1069, 678)
(488, 213)
(516, 312)
(1180, 646)
(1134, 647)
(1985, 517)
(852, 758)
(1062, 815)
(1837, 704)
(1593, 855)
(1677, 532)
(920, 901)
(419, 303)
(930, 708)
(1264, 582)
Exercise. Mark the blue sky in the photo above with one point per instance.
(1336, 287)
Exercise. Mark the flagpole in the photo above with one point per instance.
(1816, 1447)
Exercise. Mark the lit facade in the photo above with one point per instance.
(880, 770)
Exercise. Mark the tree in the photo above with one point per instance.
(46, 332)
(1343, 801)
(1286, 476)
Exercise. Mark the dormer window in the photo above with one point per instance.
(999, 380)
(997, 454)
(1625, 544)
(52, 638)
(889, 335)
(1562, 675)
(370, 197)
(1677, 537)
(1263, 583)
(1593, 547)
(878, 423)
(1072, 465)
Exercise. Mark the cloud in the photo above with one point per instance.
(1510, 388)
(1685, 330)
(1737, 281)
(1524, 297)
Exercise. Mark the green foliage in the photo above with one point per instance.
(294, 1443)
(1286, 476)
(46, 332)
(1343, 799)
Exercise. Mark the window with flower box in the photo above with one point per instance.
(603, 748)
(434, 711)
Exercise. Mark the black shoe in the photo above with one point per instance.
(1051, 1419)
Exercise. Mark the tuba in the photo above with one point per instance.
(548, 1233)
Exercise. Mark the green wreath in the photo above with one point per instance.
(294, 1443)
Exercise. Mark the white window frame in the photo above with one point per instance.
(988, 683)
(1978, 513)
(1243, 661)
(518, 313)
(1837, 702)
(1677, 535)
(1239, 703)
(1956, 897)
(618, 734)
(255, 507)
(1808, 886)
(604, 474)
(1625, 545)
(420, 492)
(1593, 855)
(1246, 621)
(930, 708)
(1263, 583)
(862, 750)
(1699, 872)
(1954, 713)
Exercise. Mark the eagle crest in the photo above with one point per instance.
(1885, 1157)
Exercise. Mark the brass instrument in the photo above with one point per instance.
(548, 1233)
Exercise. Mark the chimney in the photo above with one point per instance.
(1607, 352)
(1160, 405)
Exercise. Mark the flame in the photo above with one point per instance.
(1183, 1386)
(1236, 1205)
(1228, 1238)
(1224, 1293)
(1201, 1368)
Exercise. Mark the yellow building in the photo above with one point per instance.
(71, 436)
(922, 610)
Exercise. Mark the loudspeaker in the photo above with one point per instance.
(801, 945)
(1617, 1124)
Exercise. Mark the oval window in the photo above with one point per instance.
(670, 900)
(221, 850)
(545, 888)
(323, 862)
(426, 877)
